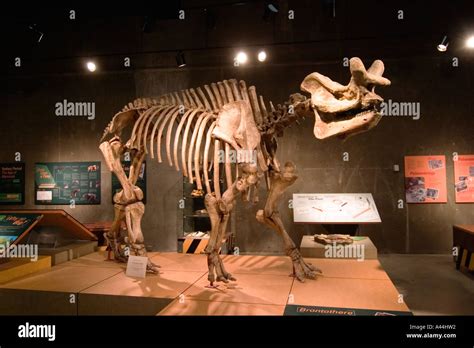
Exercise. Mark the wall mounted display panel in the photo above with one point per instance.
(66, 183)
(12, 183)
(425, 179)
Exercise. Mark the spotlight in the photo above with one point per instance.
(262, 56)
(272, 7)
(241, 57)
(39, 34)
(443, 46)
(269, 11)
(180, 61)
(91, 66)
(148, 24)
(470, 42)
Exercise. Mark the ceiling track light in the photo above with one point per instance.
(262, 56)
(39, 34)
(90, 65)
(273, 7)
(270, 10)
(240, 58)
(148, 24)
(443, 46)
(470, 42)
(180, 60)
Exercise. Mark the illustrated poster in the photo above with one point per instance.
(464, 179)
(425, 179)
(12, 183)
(65, 183)
(335, 208)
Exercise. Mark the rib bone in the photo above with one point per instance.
(184, 145)
(196, 99)
(164, 117)
(211, 96)
(217, 95)
(203, 97)
(254, 103)
(197, 151)
(168, 137)
(222, 92)
(177, 137)
(228, 169)
(174, 111)
(228, 90)
(217, 187)
(206, 157)
(192, 144)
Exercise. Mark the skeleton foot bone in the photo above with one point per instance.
(217, 271)
(302, 269)
(152, 268)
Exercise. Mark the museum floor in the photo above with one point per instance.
(263, 287)
(430, 284)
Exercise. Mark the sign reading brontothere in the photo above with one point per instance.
(425, 179)
(12, 183)
(67, 183)
(464, 179)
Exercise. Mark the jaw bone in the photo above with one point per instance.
(362, 122)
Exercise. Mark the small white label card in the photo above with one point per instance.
(44, 195)
(136, 266)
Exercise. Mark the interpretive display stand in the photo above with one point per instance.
(55, 232)
(15, 225)
(360, 248)
(340, 213)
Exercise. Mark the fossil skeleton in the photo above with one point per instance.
(196, 126)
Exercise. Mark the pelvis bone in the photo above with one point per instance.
(350, 109)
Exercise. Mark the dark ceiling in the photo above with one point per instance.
(212, 31)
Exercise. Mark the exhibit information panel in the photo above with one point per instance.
(335, 208)
(12, 183)
(61, 183)
(141, 181)
(13, 226)
(425, 179)
(464, 179)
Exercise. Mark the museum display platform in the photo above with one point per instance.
(90, 285)
(310, 248)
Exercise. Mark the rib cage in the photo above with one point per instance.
(182, 123)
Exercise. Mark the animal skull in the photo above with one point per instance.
(346, 110)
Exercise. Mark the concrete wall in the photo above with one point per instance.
(29, 126)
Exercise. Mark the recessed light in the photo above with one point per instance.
(91, 66)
